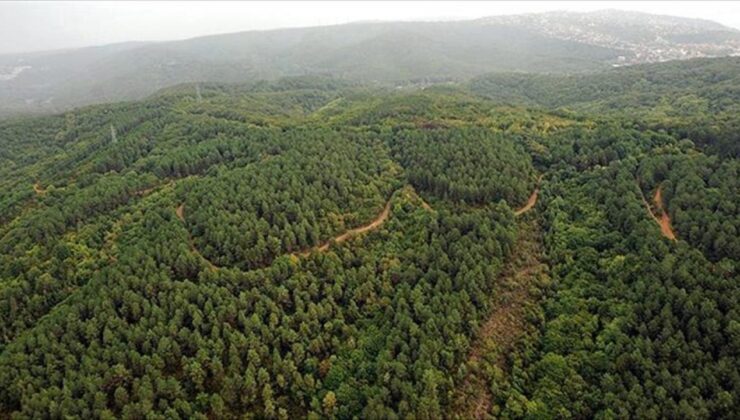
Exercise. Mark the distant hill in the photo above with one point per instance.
(680, 96)
(646, 38)
(625, 89)
(385, 53)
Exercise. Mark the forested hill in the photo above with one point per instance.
(716, 81)
(393, 53)
(314, 248)
(698, 99)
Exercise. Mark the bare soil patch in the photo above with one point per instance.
(665, 219)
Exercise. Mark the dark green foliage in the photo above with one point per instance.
(644, 86)
(470, 165)
(113, 306)
(637, 325)
(325, 184)
(701, 195)
(696, 99)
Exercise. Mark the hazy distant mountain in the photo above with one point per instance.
(397, 53)
(646, 38)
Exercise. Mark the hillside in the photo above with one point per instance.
(317, 248)
(698, 99)
(392, 53)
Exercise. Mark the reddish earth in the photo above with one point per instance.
(375, 223)
(362, 229)
(665, 219)
(425, 205)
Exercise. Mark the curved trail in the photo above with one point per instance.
(507, 323)
(664, 221)
(151, 189)
(532, 199)
(324, 246)
(425, 205)
(375, 223)
(38, 189)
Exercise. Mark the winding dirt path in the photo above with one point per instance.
(506, 324)
(146, 191)
(38, 189)
(665, 220)
(375, 223)
(382, 217)
(324, 246)
(532, 199)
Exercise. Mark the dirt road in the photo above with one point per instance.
(531, 201)
(374, 224)
(180, 213)
(379, 220)
(665, 219)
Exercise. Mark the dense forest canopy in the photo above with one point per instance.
(515, 247)
(697, 100)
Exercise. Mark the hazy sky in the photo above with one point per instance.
(33, 26)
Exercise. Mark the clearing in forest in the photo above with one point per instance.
(506, 325)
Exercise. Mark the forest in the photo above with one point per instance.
(314, 248)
